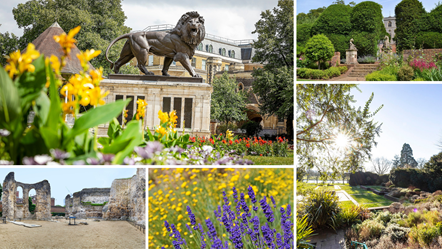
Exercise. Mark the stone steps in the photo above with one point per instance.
(361, 70)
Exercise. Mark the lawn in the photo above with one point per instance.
(270, 160)
(346, 204)
(365, 197)
(375, 187)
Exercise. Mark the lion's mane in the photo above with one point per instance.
(182, 29)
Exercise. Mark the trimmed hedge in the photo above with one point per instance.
(367, 178)
(340, 42)
(307, 73)
(379, 76)
(334, 20)
(407, 12)
(416, 177)
(429, 40)
(303, 33)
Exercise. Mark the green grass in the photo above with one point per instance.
(346, 204)
(365, 197)
(270, 160)
(375, 187)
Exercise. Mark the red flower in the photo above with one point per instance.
(236, 141)
(230, 142)
(212, 142)
(224, 141)
(248, 145)
(260, 154)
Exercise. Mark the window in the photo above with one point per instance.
(177, 104)
(226, 68)
(203, 65)
(233, 54)
(389, 24)
(210, 49)
(200, 47)
(223, 52)
(130, 108)
(150, 60)
(194, 62)
(229, 53)
(220, 51)
(207, 48)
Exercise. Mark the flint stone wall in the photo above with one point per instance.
(13, 211)
(127, 199)
(80, 205)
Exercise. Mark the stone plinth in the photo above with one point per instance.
(189, 95)
(351, 57)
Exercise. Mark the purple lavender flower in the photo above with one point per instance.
(251, 194)
(235, 194)
(203, 243)
(243, 204)
(273, 201)
(279, 242)
(191, 216)
(188, 228)
(166, 224)
(255, 222)
(266, 209)
(236, 237)
(92, 161)
(217, 244)
(176, 232)
(142, 152)
(226, 200)
(255, 208)
(176, 244)
(267, 233)
(59, 154)
(212, 231)
(201, 228)
(227, 222)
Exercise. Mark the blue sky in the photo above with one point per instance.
(411, 114)
(387, 10)
(64, 179)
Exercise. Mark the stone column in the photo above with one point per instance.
(26, 212)
(213, 65)
(8, 197)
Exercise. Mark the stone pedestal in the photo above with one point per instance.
(351, 57)
(153, 89)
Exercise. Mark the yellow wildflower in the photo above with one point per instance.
(229, 134)
(163, 116)
(141, 109)
(161, 130)
(19, 63)
(67, 41)
(86, 56)
(173, 118)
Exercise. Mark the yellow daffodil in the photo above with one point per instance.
(141, 109)
(163, 116)
(86, 56)
(67, 41)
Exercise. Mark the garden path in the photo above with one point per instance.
(329, 239)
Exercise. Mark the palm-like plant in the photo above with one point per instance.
(303, 232)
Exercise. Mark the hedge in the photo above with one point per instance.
(340, 42)
(58, 214)
(407, 12)
(367, 178)
(416, 177)
(367, 17)
(334, 20)
(307, 73)
(428, 40)
(303, 33)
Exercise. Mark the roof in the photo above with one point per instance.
(46, 45)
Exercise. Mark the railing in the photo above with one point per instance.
(166, 27)
(138, 226)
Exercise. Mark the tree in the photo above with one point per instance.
(228, 103)
(407, 14)
(8, 44)
(396, 162)
(334, 20)
(381, 165)
(31, 206)
(421, 163)
(324, 115)
(407, 159)
(252, 128)
(274, 48)
(434, 165)
(100, 21)
(320, 49)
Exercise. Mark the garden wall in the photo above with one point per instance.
(426, 53)
(367, 178)
(416, 177)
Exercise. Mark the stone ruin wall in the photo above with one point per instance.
(12, 210)
(128, 199)
(80, 205)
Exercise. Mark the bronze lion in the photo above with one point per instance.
(177, 45)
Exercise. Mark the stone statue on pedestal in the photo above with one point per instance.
(352, 46)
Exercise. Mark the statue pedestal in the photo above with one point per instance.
(188, 96)
(351, 57)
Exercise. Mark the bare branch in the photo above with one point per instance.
(381, 165)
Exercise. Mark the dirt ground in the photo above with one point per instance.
(103, 234)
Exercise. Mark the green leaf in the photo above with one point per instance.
(133, 131)
(42, 107)
(97, 116)
(30, 84)
(50, 137)
(55, 108)
(105, 141)
(114, 129)
(116, 147)
(9, 100)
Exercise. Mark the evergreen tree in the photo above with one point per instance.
(407, 160)
(407, 12)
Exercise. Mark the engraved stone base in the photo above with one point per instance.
(351, 57)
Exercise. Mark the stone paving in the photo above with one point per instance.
(329, 239)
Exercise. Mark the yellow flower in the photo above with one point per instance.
(97, 76)
(55, 64)
(86, 56)
(229, 134)
(67, 41)
(141, 109)
(247, 177)
(19, 63)
(163, 116)
(161, 130)
(184, 184)
(173, 118)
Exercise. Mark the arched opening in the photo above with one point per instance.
(32, 200)
(19, 195)
(18, 212)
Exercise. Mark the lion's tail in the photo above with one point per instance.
(111, 44)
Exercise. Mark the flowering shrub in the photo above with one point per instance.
(171, 190)
(421, 65)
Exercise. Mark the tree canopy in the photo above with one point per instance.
(274, 48)
(228, 103)
(332, 135)
(100, 21)
(8, 44)
(319, 49)
(407, 14)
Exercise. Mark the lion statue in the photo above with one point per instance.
(177, 45)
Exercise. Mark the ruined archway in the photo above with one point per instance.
(13, 211)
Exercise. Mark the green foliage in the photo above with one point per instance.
(303, 232)
(30, 205)
(367, 17)
(322, 209)
(433, 74)
(405, 73)
(365, 42)
(128, 69)
(303, 33)
(226, 126)
(424, 234)
(380, 76)
(8, 44)
(93, 204)
(310, 17)
(252, 128)
(370, 229)
(319, 48)
(101, 22)
(350, 215)
(397, 233)
(407, 13)
(334, 20)
(429, 40)
(228, 104)
(340, 42)
(434, 165)
(307, 73)
(58, 214)
(333, 113)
